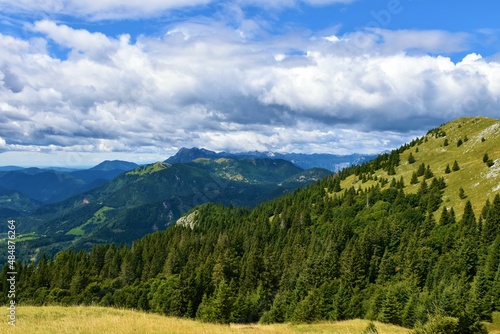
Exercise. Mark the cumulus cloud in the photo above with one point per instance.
(206, 84)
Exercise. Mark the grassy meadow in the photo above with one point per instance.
(90, 319)
(480, 135)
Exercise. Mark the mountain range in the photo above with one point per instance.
(54, 184)
(49, 185)
(130, 201)
(332, 162)
(152, 197)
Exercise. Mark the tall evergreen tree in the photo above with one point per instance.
(414, 178)
(411, 159)
(447, 169)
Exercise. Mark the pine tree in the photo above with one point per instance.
(421, 170)
(455, 167)
(393, 183)
(469, 218)
(223, 303)
(386, 268)
(411, 159)
(491, 225)
(485, 157)
(390, 311)
(461, 193)
(445, 142)
(448, 169)
(428, 173)
(336, 185)
(445, 217)
(414, 178)
(424, 188)
(391, 170)
(481, 299)
(309, 309)
(495, 291)
(401, 183)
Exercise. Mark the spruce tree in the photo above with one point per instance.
(421, 170)
(486, 157)
(391, 170)
(448, 169)
(445, 217)
(491, 226)
(393, 183)
(390, 310)
(414, 178)
(411, 159)
(336, 185)
(495, 291)
(455, 167)
(428, 173)
(401, 183)
(461, 193)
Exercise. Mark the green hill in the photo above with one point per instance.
(152, 197)
(13, 203)
(480, 182)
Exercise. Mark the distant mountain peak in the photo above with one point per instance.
(185, 155)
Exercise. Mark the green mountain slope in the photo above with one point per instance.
(152, 197)
(479, 135)
(13, 203)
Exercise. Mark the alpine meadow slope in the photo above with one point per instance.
(335, 250)
(466, 141)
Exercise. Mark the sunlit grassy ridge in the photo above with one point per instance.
(479, 135)
(80, 319)
(149, 169)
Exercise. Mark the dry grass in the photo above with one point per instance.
(494, 328)
(80, 319)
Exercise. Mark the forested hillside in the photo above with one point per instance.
(153, 197)
(388, 251)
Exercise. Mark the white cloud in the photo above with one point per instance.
(426, 41)
(75, 39)
(126, 9)
(205, 84)
(99, 10)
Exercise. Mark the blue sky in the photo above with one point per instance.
(81, 82)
